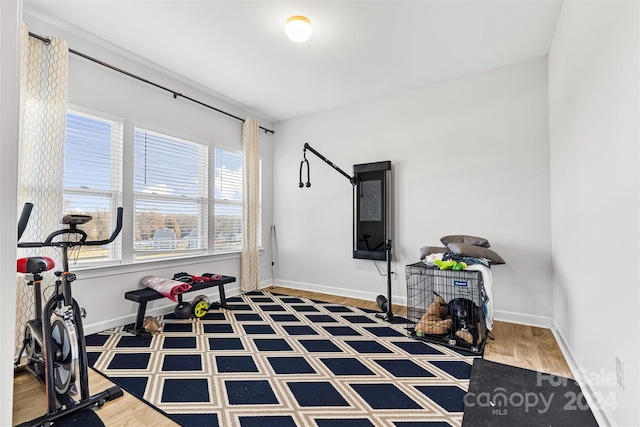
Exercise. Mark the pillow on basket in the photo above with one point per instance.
(475, 252)
(428, 250)
(467, 240)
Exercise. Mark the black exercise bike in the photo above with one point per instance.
(54, 342)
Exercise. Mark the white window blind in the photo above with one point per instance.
(170, 192)
(228, 201)
(93, 179)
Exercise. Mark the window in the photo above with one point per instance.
(93, 179)
(170, 196)
(228, 201)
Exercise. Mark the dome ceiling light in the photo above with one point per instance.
(298, 28)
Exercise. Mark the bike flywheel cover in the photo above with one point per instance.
(65, 343)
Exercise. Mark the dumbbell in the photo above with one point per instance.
(183, 310)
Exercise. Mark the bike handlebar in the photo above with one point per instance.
(113, 236)
(24, 219)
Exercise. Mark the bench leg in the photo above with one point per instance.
(137, 327)
(223, 299)
(142, 309)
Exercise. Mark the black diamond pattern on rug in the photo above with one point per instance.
(316, 394)
(185, 390)
(276, 360)
(385, 396)
(290, 365)
(404, 368)
(250, 392)
(182, 362)
(268, 421)
(225, 344)
(179, 342)
(336, 422)
(346, 366)
(129, 361)
(244, 364)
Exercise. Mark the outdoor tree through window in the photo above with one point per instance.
(170, 191)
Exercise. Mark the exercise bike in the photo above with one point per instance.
(53, 342)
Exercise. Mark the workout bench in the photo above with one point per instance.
(143, 296)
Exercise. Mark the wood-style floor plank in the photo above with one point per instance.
(517, 345)
(29, 402)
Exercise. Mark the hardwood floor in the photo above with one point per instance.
(526, 347)
(517, 345)
(29, 402)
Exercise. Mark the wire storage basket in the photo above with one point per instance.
(446, 307)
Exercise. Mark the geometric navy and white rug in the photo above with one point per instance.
(276, 360)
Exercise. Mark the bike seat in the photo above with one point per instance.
(35, 264)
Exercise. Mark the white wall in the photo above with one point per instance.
(593, 108)
(469, 156)
(9, 113)
(93, 86)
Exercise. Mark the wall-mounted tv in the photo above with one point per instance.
(371, 209)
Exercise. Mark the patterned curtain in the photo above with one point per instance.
(43, 107)
(250, 207)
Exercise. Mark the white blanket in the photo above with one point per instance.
(487, 278)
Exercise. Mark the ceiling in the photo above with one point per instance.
(360, 50)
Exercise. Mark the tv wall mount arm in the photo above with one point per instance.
(352, 179)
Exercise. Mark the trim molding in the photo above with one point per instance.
(523, 319)
(505, 316)
(331, 290)
(602, 415)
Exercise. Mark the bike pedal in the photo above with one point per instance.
(73, 390)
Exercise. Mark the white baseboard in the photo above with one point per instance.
(601, 414)
(266, 283)
(522, 319)
(506, 316)
(94, 328)
(342, 292)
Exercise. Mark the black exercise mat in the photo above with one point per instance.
(83, 418)
(501, 395)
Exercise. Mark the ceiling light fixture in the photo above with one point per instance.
(298, 28)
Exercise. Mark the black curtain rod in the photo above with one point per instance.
(173, 92)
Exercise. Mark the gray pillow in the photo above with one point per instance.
(428, 250)
(467, 240)
(475, 252)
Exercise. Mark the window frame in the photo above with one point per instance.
(225, 202)
(203, 201)
(115, 193)
(125, 196)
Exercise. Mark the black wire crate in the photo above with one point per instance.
(446, 307)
